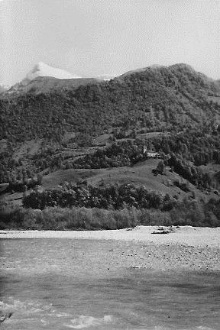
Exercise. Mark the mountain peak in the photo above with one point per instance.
(182, 66)
(42, 69)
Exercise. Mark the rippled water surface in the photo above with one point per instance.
(64, 284)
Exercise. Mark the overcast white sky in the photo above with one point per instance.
(95, 37)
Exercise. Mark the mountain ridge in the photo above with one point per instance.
(154, 98)
(49, 84)
(42, 69)
(44, 78)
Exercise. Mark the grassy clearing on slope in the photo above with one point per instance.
(54, 179)
(140, 174)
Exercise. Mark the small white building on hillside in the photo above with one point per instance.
(150, 153)
(153, 154)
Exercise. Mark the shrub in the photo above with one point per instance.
(187, 212)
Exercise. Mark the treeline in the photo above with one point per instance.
(191, 173)
(195, 147)
(186, 212)
(199, 146)
(24, 185)
(17, 174)
(112, 196)
(125, 153)
(20, 170)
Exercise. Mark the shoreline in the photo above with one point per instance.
(141, 248)
(185, 235)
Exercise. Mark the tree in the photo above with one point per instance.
(39, 178)
(160, 167)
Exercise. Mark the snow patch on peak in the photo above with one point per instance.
(106, 77)
(43, 70)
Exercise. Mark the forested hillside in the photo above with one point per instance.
(155, 98)
(77, 133)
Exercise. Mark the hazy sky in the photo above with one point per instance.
(95, 37)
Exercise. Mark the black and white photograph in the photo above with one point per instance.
(110, 164)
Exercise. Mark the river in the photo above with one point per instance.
(68, 284)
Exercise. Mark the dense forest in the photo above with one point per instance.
(159, 98)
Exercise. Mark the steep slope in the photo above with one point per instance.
(49, 84)
(41, 77)
(43, 70)
(46, 79)
(152, 98)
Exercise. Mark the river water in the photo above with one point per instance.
(68, 284)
